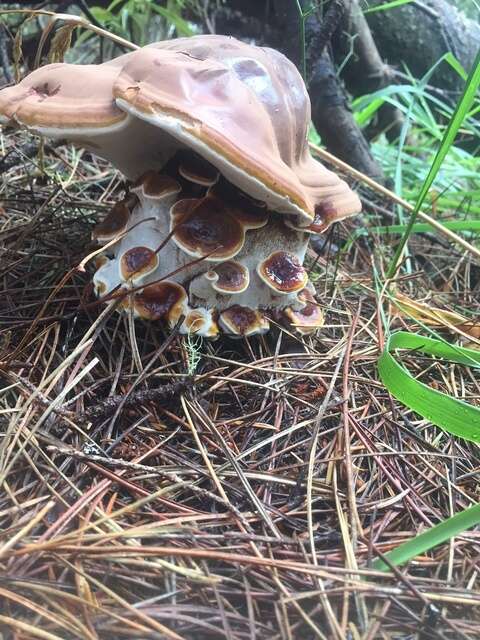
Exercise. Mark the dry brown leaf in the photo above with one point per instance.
(403, 306)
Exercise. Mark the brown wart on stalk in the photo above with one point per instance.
(212, 133)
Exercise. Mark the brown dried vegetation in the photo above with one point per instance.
(246, 500)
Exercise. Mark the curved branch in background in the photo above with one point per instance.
(334, 120)
(5, 64)
(418, 34)
(331, 113)
(363, 69)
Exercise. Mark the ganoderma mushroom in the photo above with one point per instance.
(212, 134)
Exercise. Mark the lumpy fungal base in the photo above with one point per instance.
(190, 244)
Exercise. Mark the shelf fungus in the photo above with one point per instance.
(229, 277)
(223, 195)
(283, 272)
(309, 318)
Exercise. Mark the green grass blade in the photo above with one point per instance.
(450, 414)
(461, 111)
(453, 415)
(387, 5)
(181, 25)
(419, 227)
(456, 65)
(431, 538)
(424, 227)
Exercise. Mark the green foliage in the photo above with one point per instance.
(144, 21)
(419, 227)
(427, 118)
(450, 414)
(461, 111)
(431, 538)
(193, 346)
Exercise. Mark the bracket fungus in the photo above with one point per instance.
(224, 194)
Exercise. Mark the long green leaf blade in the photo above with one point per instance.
(431, 538)
(455, 416)
(454, 125)
(387, 6)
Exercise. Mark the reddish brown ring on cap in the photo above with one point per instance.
(207, 230)
(243, 321)
(252, 213)
(308, 319)
(161, 301)
(137, 262)
(156, 185)
(197, 170)
(321, 221)
(114, 223)
(283, 272)
(229, 277)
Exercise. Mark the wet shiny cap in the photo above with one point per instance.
(115, 222)
(243, 321)
(283, 273)
(242, 108)
(229, 277)
(161, 301)
(205, 228)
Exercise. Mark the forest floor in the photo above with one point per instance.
(160, 487)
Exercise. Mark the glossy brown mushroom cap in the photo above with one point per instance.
(64, 96)
(200, 321)
(137, 262)
(204, 228)
(252, 213)
(283, 272)
(114, 222)
(308, 319)
(243, 108)
(155, 185)
(195, 169)
(161, 301)
(223, 94)
(243, 321)
(229, 277)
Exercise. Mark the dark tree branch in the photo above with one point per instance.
(287, 30)
(418, 34)
(109, 405)
(328, 24)
(331, 114)
(365, 71)
(335, 122)
(4, 57)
